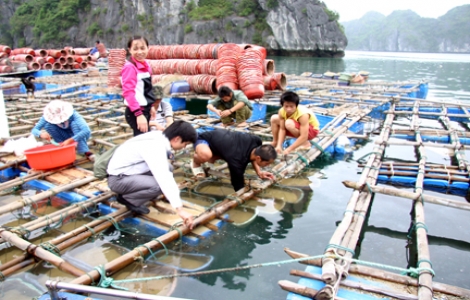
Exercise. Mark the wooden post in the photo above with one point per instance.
(40, 252)
(359, 286)
(301, 290)
(425, 278)
(409, 195)
(45, 194)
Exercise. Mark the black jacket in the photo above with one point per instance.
(235, 148)
(28, 84)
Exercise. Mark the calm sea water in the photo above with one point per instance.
(308, 226)
(447, 74)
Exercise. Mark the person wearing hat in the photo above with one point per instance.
(163, 111)
(29, 86)
(62, 124)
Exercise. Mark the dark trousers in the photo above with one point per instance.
(137, 189)
(132, 120)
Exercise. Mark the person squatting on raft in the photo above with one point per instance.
(139, 170)
(231, 105)
(164, 111)
(293, 120)
(29, 86)
(137, 86)
(237, 149)
(62, 124)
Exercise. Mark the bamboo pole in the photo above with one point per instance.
(328, 271)
(429, 114)
(45, 194)
(413, 174)
(359, 286)
(463, 164)
(301, 290)
(347, 232)
(69, 239)
(409, 195)
(63, 213)
(105, 121)
(424, 278)
(55, 286)
(36, 175)
(431, 132)
(12, 164)
(386, 164)
(430, 168)
(426, 144)
(103, 142)
(40, 252)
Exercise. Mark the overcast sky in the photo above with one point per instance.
(355, 9)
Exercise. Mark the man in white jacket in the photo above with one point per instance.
(139, 170)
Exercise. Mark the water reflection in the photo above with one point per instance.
(232, 247)
(432, 239)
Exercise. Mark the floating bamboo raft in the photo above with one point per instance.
(75, 191)
(332, 271)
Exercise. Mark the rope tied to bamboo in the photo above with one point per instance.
(20, 231)
(316, 145)
(336, 246)
(424, 260)
(368, 188)
(51, 248)
(357, 213)
(175, 227)
(83, 208)
(418, 225)
(141, 256)
(29, 202)
(415, 272)
(93, 236)
(164, 247)
(362, 158)
(235, 198)
(302, 158)
(112, 220)
(415, 227)
(107, 281)
(275, 263)
(49, 225)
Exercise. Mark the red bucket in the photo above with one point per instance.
(50, 156)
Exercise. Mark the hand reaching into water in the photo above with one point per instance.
(266, 175)
(188, 219)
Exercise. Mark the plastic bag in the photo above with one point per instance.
(20, 145)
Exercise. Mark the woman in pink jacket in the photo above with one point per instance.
(137, 86)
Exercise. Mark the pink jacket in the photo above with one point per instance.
(137, 86)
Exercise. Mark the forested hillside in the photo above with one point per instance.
(407, 31)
